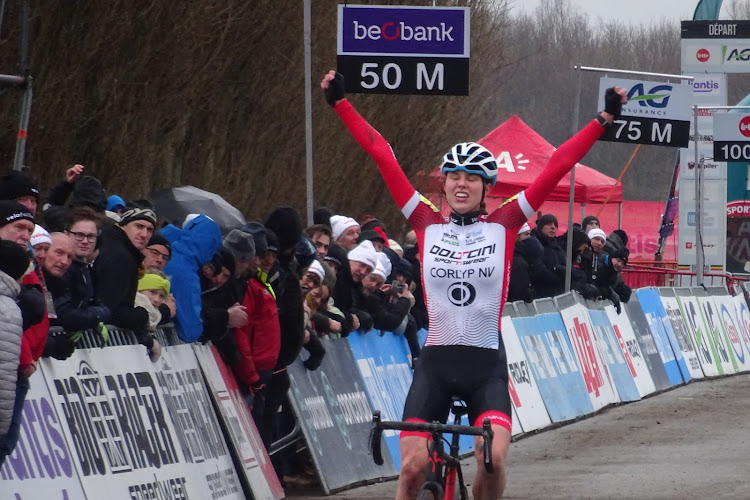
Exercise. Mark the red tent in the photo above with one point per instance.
(522, 155)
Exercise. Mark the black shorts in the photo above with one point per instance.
(477, 375)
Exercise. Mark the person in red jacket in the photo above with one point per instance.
(259, 341)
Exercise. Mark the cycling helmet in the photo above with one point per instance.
(472, 158)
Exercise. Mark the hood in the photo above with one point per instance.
(8, 286)
(198, 240)
(88, 192)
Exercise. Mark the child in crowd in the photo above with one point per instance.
(153, 290)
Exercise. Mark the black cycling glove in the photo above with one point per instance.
(336, 89)
(612, 102)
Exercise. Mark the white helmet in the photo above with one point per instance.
(472, 158)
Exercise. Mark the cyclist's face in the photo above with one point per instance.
(463, 191)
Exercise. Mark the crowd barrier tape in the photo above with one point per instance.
(336, 419)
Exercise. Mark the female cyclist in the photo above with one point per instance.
(466, 260)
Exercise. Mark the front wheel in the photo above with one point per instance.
(430, 491)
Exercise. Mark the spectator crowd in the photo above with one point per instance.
(260, 292)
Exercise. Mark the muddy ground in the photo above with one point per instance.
(690, 442)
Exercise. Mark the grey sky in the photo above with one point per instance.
(628, 11)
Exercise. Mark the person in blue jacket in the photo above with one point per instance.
(192, 246)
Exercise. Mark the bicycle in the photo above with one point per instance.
(439, 484)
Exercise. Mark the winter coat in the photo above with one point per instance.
(73, 316)
(519, 286)
(260, 340)
(548, 276)
(613, 243)
(115, 274)
(32, 309)
(386, 315)
(291, 311)
(192, 247)
(11, 331)
(80, 282)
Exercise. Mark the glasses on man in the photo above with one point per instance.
(83, 236)
(157, 253)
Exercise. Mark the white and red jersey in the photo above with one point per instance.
(465, 259)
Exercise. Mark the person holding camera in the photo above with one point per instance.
(388, 304)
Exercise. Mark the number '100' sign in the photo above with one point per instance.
(731, 137)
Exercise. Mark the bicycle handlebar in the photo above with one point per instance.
(378, 426)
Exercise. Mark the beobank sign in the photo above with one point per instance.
(403, 31)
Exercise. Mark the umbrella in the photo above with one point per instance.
(175, 204)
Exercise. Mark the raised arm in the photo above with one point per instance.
(369, 138)
(574, 149)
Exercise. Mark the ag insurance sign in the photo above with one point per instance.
(404, 50)
(657, 113)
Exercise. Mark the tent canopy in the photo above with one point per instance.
(522, 155)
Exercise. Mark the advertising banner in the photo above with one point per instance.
(524, 390)
(388, 49)
(715, 46)
(714, 225)
(140, 431)
(259, 474)
(387, 376)
(657, 113)
(723, 353)
(41, 466)
(664, 336)
(631, 350)
(651, 354)
(731, 331)
(742, 316)
(553, 364)
(683, 335)
(336, 417)
(704, 348)
(582, 336)
(620, 368)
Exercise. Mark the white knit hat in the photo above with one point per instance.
(597, 233)
(340, 223)
(380, 271)
(385, 262)
(525, 228)
(39, 236)
(364, 253)
(317, 268)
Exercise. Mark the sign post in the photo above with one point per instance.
(404, 49)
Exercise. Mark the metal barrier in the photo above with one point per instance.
(165, 334)
(640, 276)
